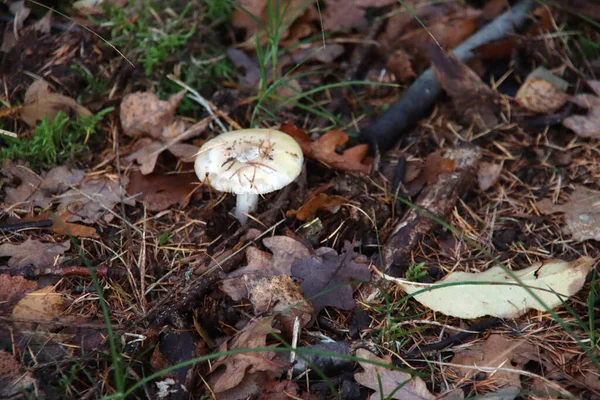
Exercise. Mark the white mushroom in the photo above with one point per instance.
(249, 162)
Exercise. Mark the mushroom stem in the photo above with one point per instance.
(245, 203)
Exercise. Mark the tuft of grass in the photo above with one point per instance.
(149, 40)
(53, 142)
(416, 272)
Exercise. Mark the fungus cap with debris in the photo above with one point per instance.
(249, 162)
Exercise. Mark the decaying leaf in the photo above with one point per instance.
(159, 192)
(319, 202)
(35, 190)
(281, 295)
(488, 174)
(582, 213)
(473, 100)
(94, 198)
(400, 65)
(13, 289)
(495, 293)
(40, 102)
(385, 381)
(33, 252)
(37, 307)
(497, 354)
(143, 113)
(237, 366)
(341, 14)
(543, 92)
(325, 275)
(13, 380)
(262, 265)
(587, 125)
(324, 149)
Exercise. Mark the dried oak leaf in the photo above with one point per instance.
(582, 213)
(238, 366)
(542, 92)
(586, 125)
(33, 252)
(143, 113)
(13, 380)
(94, 198)
(473, 100)
(280, 294)
(324, 277)
(324, 149)
(385, 381)
(263, 265)
(13, 289)
(159, 192)
(35, 190)
(40, 102)
(316, 203)
(488, 174)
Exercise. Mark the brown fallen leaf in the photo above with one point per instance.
(33, 252)
(324, 149)
(473, 100)
(316, 203)
(40, 102)
(60, 225)
(542, 92)
(589, 8)
(143, 113)
(13, 289)
(94, 198)
(385, 381)
(582, 213)
(14, 381)
(324, 277)
(238, 366)
(34, 190)
(399, 63)
(262, 265)
(281, 295)
(488, 174)
(341, 14)
(159, 192)
(42, 305)
(587, 125)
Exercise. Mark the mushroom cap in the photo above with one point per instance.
(249, 161)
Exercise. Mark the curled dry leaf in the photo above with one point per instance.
(33, 252)
(587, 125)
(316, 203)
(13, 380)
(280, 294)
(582, 213)
(40, 102)
(488, 174)
(495, 293)
(543, 92)
(143, 113)
(237, 366)
(324, 149)
(385, 381)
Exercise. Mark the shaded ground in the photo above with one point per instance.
(157, 271)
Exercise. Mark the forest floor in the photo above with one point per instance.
(440, 241)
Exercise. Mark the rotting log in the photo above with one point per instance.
(439, 199)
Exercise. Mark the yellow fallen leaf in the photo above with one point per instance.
(495, 293)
